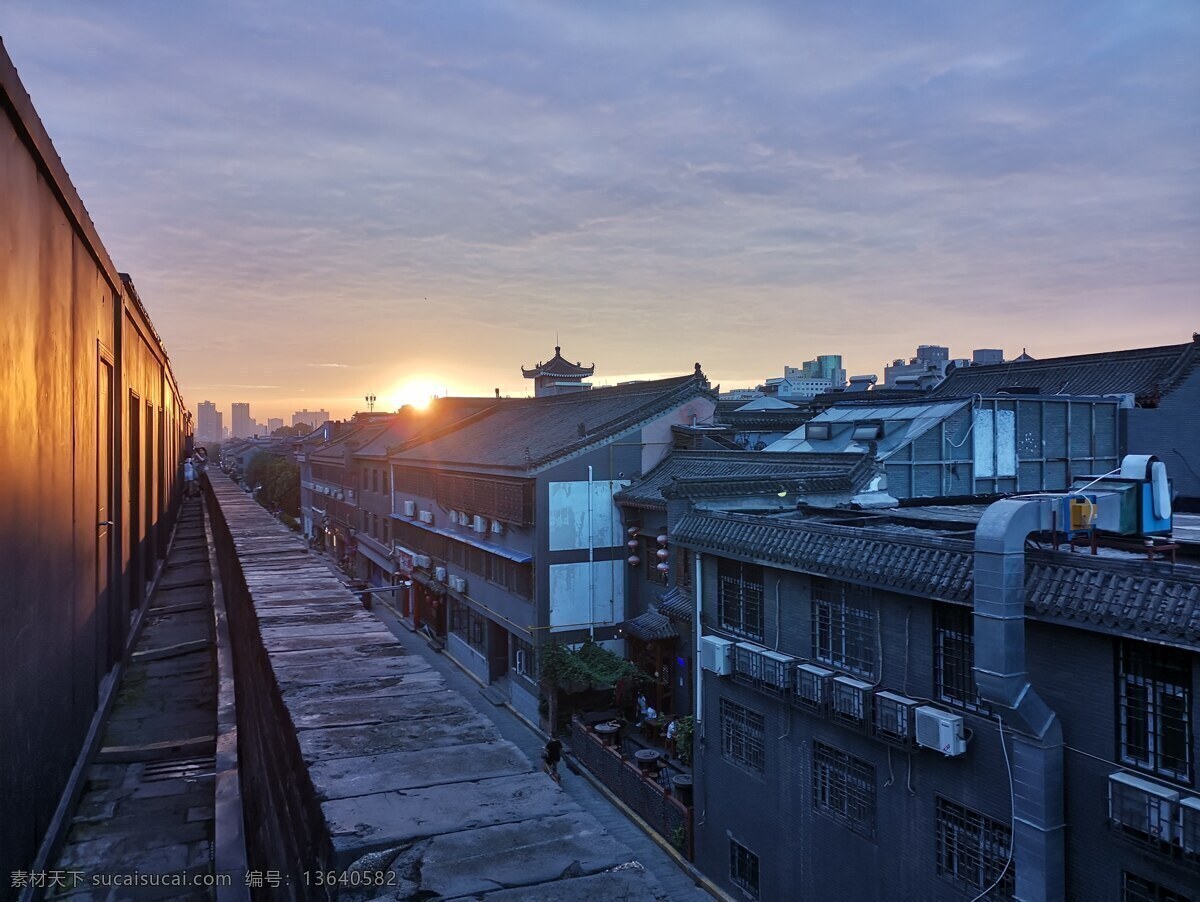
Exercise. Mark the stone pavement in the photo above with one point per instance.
(147, 804)
(676, 883)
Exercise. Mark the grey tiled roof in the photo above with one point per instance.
(529, 433)
(1142, 599)
(1147, 373)
(677, 605)
(650, 627)
(698, 474)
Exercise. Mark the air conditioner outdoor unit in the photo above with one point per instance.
(439, 574)
(777, 671)
(747, 661)
(812, 686)
(941, 730)
(458, 584)
(894, 717)
(410, 508)
(422, 560)
(497, 527)
(427, 517)
(1189, 826)
(1141, 807)
(480, 524)
(849, 700)
(716, 655)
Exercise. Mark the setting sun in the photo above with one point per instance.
(413, 393)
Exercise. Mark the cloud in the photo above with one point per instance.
(423, 186)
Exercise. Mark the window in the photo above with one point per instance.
(743, 868)
(844, 788)
(740, 598)
(684, 565)
(954, 658)
(1139, 889)
(973, 851)
(741, 735)
(385, 482)
(469, 625)
(845, 625)
(523, 660)
(1153, 710)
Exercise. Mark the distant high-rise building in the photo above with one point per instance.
(208, 422)
(925, 370)
(313, 418)
(243, 426)
(274, 423)
(812, 378)
(986, 356)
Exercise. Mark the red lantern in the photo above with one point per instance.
(662, 540)
(633, 530)
(663, 554)
(634, 560)
(664, 567)
(633, 544)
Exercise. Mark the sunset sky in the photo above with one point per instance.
(322, 200)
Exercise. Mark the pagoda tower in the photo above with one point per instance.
(557, 376)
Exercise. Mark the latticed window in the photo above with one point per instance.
(1154, 690)
(740, 598)
(742, 735)
(1139, 889)
(845, 626)
(743, 868)
(844, 788)
(974, 851)
(469, 625)
(954, 658)
(684, 563)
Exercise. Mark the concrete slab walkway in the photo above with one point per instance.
(676, 883)
(146, 812)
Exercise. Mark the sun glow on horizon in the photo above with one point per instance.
(418, 393)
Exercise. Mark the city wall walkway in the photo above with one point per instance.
(361, 768)
(147, 804)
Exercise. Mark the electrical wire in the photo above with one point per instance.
(976, 403)
(1012, 800)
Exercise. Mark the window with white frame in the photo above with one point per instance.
(740, 598)
(844, 788)
(1154, 703)
(954, 657)
(974, 851)
(742, 735)
(845, 626)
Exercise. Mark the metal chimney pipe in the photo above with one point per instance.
(1038, 847)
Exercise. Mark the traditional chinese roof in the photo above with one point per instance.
(558, 368)
(1139, 599)
(677, 606)
(712, 474)
(650, 627)
(1146, 373)
(528, 433)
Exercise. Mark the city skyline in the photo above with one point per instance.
(321, 206)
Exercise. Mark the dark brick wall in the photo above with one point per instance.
(806, 854)
(285, 829)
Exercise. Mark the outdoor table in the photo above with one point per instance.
(647, 759)
(607, 732)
